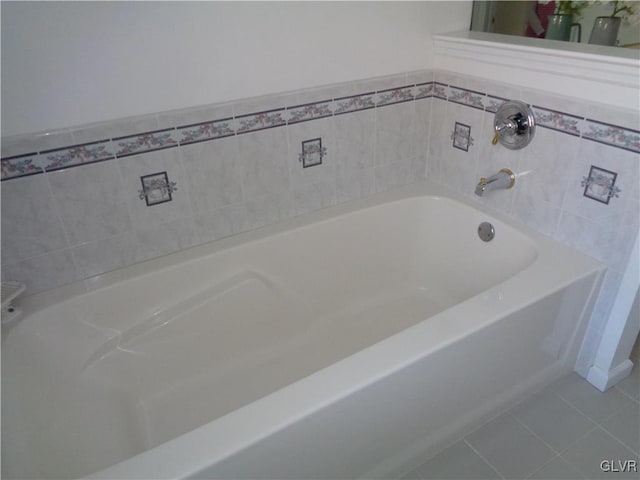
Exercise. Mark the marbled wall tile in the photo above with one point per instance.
(264, 162)
(157, 239)
(355, 140)
(354, 183)
(399, 173)
(30, 224)
(221, 222)
(269, 208)
(313, 196)
(90, 201)
(107, 254)
(438, 139)
(394, 133)
(538, 214)
(588, 236)
(43, 272)
(213, 174)
(132, 168)
(421, 128)
(543, 171)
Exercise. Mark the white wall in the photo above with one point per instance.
(71, 63)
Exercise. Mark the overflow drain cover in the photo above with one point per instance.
(486, 232)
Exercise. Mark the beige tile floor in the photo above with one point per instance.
(562, 432)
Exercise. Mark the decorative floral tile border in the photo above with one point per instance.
(424, 90)
(311, 111)
(107, 149)
(466, 97)
(202, 132)
(491, 103)
(354, 103)
(260, 121)
(21, 166)
(559, 121)
(77, 155)
(612, 135)
(395, 95)
(145, 142)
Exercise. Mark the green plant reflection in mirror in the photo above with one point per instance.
(585, 21)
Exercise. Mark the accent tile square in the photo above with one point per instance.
(156, 188)
(312, 153)
(599, 185)
(461, 136)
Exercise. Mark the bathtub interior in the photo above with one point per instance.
(105, 375)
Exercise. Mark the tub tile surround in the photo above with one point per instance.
(88, 202)
(237, 168)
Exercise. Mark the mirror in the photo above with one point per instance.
(596, 22)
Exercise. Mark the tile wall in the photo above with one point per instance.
(550, 194)
(73, 205)
(81, 202)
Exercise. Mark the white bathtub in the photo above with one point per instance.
(340, 344)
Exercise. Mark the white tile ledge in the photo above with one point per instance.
(590, 72)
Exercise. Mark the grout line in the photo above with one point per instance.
(482, 457)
